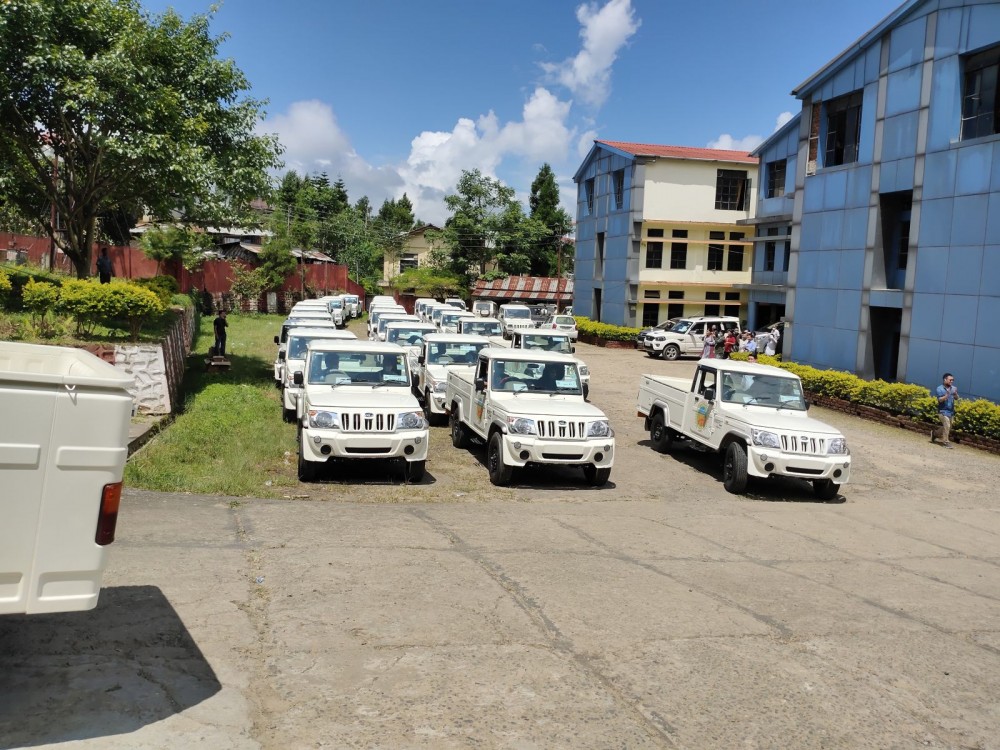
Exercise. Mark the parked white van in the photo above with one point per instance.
(63, 445)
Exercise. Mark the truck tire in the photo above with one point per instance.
(415, 471)
(653, 354)
(432, 418)
(596, 477)
(307, 469)
(734, 469)
(500, 473)
(288, 415)
(825, 489)
(660, 435)
(459, 437)
(671, 352)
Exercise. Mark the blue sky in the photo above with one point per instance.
(401, 96)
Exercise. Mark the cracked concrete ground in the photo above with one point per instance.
(657, 612)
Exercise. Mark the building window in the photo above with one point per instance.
(618, 178)
(732, 311)
(980, 96)
(735, 262)
(650, 315)
(711, 309)
(843, 129)
(588, 187)
(731, 190)
(678, 254)
(788, 255)
(776, 178)
(651, 232)
(732, 295)
(715, 251)
(600, 248)
(675, 310)
(770, 249)
(712, 295)
(407, 260)
(683, 233)
(651, 293)
(654, 255)
(675, 294)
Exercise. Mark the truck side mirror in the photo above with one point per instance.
(276, 341)
(710, 394)
(297, 378)
(421, 359)
(480, 384)
(282, 356)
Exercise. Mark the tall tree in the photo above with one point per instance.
(104, 106)
(544, 205)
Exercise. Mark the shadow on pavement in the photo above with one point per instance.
(73, 676)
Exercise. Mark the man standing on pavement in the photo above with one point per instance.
(220, 326)
(947, 395)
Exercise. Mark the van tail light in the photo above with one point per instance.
(111, 498)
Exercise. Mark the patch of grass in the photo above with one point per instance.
(229, 438)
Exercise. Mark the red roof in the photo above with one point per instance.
(681, 152)
(525, 288)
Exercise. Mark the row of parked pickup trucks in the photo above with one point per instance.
(525, 399)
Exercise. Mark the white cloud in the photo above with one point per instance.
(749, 142)
(585, 143)
(783, 118)
(604, 31)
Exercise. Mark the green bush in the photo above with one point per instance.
(19, 276)
(979, 417)
(39, 298)
(5, 285)
(88, 302)
(588, 327)
(133, 304)
(165, 287)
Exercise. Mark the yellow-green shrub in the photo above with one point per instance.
(87, 301)
(588, 327)
(5, 285)
(39, 298)
(133, 304)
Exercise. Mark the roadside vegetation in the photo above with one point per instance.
(224, 440)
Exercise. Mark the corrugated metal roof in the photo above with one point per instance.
(525, 288)
(681, 152)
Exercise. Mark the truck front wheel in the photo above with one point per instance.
(653, 354)
(596, 477)
(825, 489)
(415, 471)
(500, 473)
(659, 434)
(734, 469)
(671, 352)
(307, 469)
(459, 438)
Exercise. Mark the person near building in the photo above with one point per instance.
(771, 345)
(729, 344)
(947, 395)
(708, 351)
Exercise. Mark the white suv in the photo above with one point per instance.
(686, 337)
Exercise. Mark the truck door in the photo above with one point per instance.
(694, 343)
(482, 411)
(699, 417)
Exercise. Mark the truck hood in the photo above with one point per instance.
(542, 404)
(354, 397)
(766, 418)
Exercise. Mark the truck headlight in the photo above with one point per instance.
(600, 428)
(522, 426)
(765, 439)
(439, 386)
(324, 420)
(837, 445)
(410, 420)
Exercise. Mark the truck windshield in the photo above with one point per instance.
(481, 329)
(547, 343)
(406, 336)
(351, 368)
(516, 313)
(539, 377)
(457, 353)
(681, 326)
(297, 346)
(764, 390)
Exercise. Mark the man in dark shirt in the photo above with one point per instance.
(220, 326)
(104, 268)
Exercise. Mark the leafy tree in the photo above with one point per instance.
(428, 282)
(552, 257)
(250, 283)
(132, 109)
(166, 244)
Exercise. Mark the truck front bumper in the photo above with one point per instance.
(319, 445)
(529, 449)
(765, 462)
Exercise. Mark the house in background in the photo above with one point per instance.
(894, 267)
(657, 234)
(414, 252)
(772, 235)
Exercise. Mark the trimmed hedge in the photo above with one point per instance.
(588, 327)
(979, 417)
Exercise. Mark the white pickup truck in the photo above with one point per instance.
(528, 407)
(294, 360)
(440, 353)
(536, 339)
(754, 415)
(356, 403)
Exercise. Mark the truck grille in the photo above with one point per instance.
(563, 429)
(803, 444)
(367, 421)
